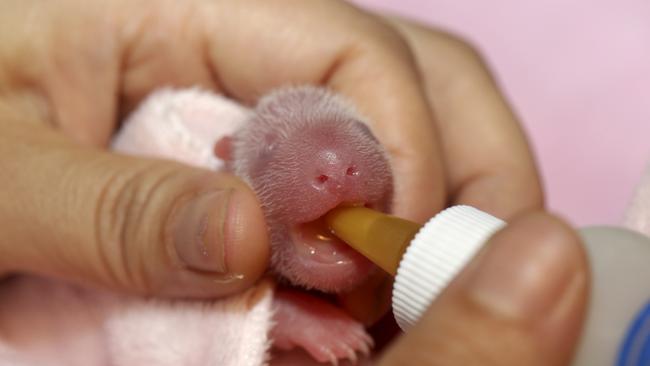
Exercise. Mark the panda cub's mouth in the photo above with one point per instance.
(325, 259)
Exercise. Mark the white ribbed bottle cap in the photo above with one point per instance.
(436, 255)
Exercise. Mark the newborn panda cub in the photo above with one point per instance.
(305, 151)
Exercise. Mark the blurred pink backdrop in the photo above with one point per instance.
(577, 72)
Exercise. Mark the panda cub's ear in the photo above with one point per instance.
(223, 149)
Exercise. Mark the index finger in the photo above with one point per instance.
(489, 162)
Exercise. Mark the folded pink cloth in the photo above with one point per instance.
(49, 323)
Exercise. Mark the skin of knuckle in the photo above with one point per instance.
(463, 47)
(465, 66)
(129, 218)
(375, 33)
(384, 37)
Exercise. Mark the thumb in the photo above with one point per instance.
(132, 224)
(521, 301)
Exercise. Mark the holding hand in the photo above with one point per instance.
(69, 70)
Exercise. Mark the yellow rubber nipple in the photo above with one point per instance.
(381, 238)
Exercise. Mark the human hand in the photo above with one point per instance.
(487, 160)
(483, 158)
(489, 166)
(70, 69)
(521, 301)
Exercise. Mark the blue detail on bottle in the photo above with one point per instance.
(635, 350)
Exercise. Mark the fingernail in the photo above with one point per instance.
(523, 277)
(200, 231)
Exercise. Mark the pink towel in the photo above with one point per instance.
(48, 323)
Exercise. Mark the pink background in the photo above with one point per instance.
(577, 72)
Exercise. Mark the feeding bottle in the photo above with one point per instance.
(425, 258)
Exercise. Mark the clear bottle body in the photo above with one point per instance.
(617, 327)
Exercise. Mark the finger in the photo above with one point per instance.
(137, 225)
(203, 43)
(489, 162)
(521, 301)
(125, 51)
(335, 44)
